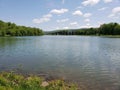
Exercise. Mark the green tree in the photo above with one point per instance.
(11, 29)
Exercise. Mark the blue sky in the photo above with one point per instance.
(60, 14)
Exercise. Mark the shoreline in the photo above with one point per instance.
(18, 81)
(110, 36)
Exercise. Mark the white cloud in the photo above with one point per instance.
(45, 18)
(90, 2)
(85, 26)
(73, 23)
(63, 20)
(88, 24)
(100, 22)
(111, 15)
(58, 11)
(41, 20)
(107, 1)
(87, 14)
(79, 7)
(87, 20)
(102, 9)
(115, 12)
(65, 27)
(78, 12)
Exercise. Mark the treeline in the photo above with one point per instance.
(11, 29)
(105, 29)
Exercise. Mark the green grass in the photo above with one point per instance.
(12, 81)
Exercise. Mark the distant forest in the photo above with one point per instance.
(11, 29)
(105, 29)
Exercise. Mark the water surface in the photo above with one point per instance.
(92, 62)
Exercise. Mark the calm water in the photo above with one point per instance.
(92, 62)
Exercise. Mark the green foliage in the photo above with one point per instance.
(116, 30)
(11, 29)
(105, 29)
(108, 29)
(11, 81)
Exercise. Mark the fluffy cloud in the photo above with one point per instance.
(78, 12)
(73, 23)
(87, 14)
(90, 2)
(63, 20)
(58, 11)
(87, 20)
(107, 1)
(45, 18)
(115, 12)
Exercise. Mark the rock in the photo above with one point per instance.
(44, 84)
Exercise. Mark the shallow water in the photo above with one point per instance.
(92, 62)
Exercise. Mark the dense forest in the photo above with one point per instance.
(105, 29)
(11, 29)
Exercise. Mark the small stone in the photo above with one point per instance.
(44, 84)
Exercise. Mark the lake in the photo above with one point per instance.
(92, 62)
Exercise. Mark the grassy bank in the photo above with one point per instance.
(12, 81)
(111, 36)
